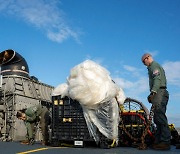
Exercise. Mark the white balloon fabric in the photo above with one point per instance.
(120, 97)
(105, 118)
(90, 84)
(61, 89)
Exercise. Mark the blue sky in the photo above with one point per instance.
(55, 35)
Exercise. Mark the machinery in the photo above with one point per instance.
(175, 137)
(18, 91)
(135, 126)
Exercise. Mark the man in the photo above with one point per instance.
(159, 97)
(31, 116)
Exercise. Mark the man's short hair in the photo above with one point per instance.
(145, 56)
(20, 112)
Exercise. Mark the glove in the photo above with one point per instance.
(31, 141)
(121, 107)
(151, 97)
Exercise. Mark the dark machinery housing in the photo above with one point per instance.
(18, 91)
(13, 63)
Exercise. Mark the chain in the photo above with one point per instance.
(125, 130)
(142, 146)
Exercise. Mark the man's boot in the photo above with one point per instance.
(25, 142)
(177, 146)
(44, 143)
(162, 146)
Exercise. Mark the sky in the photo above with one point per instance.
(56, 35)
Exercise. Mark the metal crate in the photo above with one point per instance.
(68, 123)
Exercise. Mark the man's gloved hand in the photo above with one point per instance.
(151, 97)
(121, 106)
(31, 141)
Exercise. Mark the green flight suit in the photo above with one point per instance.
(36, 114)
(157, 84)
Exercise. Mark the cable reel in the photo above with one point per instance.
(135, 128)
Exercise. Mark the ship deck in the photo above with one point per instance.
(37, 148)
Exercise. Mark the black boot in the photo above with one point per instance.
(162, 146)
(177, 146)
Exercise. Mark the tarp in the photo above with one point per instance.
(91, 85)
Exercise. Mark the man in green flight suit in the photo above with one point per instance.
(159, 97)
(31, 116)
